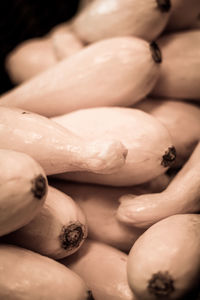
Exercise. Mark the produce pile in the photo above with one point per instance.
(100, 156)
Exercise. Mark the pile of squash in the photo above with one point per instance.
(100, 156)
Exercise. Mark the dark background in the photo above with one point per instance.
(24, 19)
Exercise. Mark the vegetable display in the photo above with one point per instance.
(100, 156)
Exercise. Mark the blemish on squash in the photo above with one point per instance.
(72, 236)
(123, 259)
(89, 296)
(164, 5)
(169, 157)
(39, 186)
(161, 284)
(155, 52)
(25, 112)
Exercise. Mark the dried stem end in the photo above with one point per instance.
(72, 236)
(89, 296)
(164, 5)
(155, 52)
(39, 186)
(169, 157)
(161, 284)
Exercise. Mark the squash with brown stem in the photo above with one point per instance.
(106, 18)
(23, 190)
(164, 263)
(181, 196)
(149, 144)
(182, 119)
(57, 231)
(128, 63)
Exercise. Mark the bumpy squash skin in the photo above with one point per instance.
(23, 190)
(180, 69)
(150, 149)
(27, 275)
(182, 119)
(123, 62)
(104, 19)
(103, 268)
(164, 263)
(57, 231)
(181, 196)
(56, 148)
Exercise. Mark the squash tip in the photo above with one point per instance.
(161, 284)
(39, 186)
(155, 52)
(89, 296)
(164, 5)
(72, 236)
(169, 157)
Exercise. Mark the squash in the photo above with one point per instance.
(27, 275)
(182, 119)
(180, 70)
(56, 148)
(103, 268)
(183, 14)
(58, 230)
(164, 263)
(36, 55)
(23, 190)
(150, 148)
(99, 204)
(89, 78)
(180, 197)
(106, 18)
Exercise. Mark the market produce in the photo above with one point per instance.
(23, 190)
(180, 70)
(90, 77)
(56, 148)
(107, 18)
(183, 14)
(164, 263)
(103, 268)
(150, 148)
(27, 275)
(57, 231)
(182, 119)
(108, 107)
(181, 196)
(36, 55)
